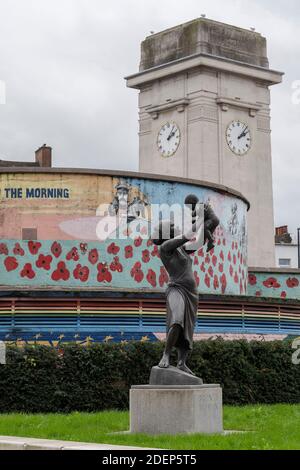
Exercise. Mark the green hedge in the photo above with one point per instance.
(98, 377)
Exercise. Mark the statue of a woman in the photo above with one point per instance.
(181, 295)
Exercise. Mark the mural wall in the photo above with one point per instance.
(78, 245)
(281, 285)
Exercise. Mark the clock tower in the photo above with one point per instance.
(204, 114)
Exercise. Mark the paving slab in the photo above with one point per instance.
(26, 443)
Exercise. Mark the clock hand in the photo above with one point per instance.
(241, 134)
(244, 133)
(171, 133)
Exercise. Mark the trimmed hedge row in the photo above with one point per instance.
(98, 377)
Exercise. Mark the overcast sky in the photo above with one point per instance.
(63, 62)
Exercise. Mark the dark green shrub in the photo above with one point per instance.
(98, 377)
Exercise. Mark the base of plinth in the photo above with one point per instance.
(187, 409)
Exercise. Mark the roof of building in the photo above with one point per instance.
(9, 164)
(128, 174)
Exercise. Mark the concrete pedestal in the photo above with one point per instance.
(176, 409)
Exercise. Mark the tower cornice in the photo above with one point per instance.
(220, 64)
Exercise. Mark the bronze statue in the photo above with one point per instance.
(211, 221)
(182, 293)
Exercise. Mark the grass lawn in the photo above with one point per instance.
(273, 427)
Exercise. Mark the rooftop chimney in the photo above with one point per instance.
(281, 230)
(43, 156)
(282, 235)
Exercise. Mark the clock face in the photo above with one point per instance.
(238, 137)
(168, 139)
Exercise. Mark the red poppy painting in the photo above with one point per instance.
(271, 283)
(56, 249)
(34, 247)
(81, 273)
(44, 262)
(93, 256)
(61, 273)
(27, 271)
(104, 275)
(10, 263)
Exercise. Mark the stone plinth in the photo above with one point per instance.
(167, 409)
(172, 376)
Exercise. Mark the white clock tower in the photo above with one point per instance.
(204, 110)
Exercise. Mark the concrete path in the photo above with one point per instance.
(28, 443)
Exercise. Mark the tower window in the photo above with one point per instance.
(285, 262)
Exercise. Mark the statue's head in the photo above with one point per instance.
(164, 231)
(191, 201)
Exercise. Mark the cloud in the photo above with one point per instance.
(63, 62)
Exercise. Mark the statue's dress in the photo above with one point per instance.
(182, 294)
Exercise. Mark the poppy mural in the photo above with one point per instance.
(275, 283)
(93, 230)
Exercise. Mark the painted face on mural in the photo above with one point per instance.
(122, 195)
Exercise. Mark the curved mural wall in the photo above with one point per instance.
(56, 230)
(276, 283)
